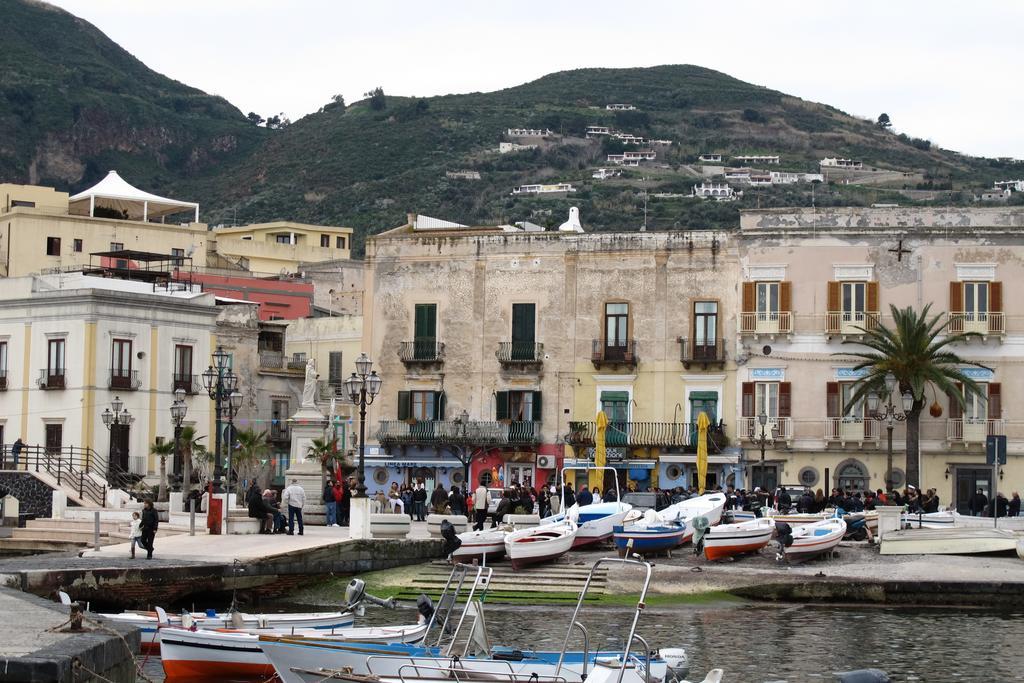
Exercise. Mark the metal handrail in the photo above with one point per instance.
(43, 459)
(124, 379)
(634, 433)
(645, 662)
(586, 647)
(421, 351)
(603, 352)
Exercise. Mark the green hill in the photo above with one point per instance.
(73, 104)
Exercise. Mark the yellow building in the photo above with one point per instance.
(45, 229)
(281, 246)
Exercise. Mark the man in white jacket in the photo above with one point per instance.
(295, 498)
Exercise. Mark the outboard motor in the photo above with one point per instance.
(700, 527)
(425, 606)
(452, 542)
(863, 676)
(784, 533)
(355, 595)
(676, 663)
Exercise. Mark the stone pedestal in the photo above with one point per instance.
(12, 510)
(305, 425)
(889, 519)
(58, 504)
(175, 501)
(359, 518)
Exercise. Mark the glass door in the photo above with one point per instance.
(616, 325)
(852, 426)
(976, 414)
(615, 405)
(705, 333)
(767, 307)
(968, 481)
(702, 402)
(976, 307)
(853, 306)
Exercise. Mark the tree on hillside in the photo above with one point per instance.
(883, 121)
(913, 352)
(338, 100)
(377, 99)
(255, 118)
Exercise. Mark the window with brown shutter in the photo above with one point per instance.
(995, 401)
(833, 297)
(749, 296)
(873, 297)
(956, 411)
(785, 400)
(748, 399)
(832, 408)
(995, 297)
(785, 296)
(956, 297)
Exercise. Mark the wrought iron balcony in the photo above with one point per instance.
(519, 353)
(660, 434)
(126, 380)
(271, 360)
(613, 353)
(767, 323)
(328, 389)
(705, 353)
(972, 430)
(982, 322)
(190, 383)
(472, 433)
(51, 379)
(851, 322)
(421, 351)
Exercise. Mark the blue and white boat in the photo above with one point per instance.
(596, 521)
(656, 529)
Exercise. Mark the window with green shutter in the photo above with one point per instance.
(523, 331)
(425, 331)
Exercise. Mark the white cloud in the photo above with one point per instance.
(942, 70)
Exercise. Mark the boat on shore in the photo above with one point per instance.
(233, 655)
(710, 506)
(651, 535)
(811, 540)
(596, 521)
(486, 545)
(948, 519)
(949, 541)
(728, 540)
(540, 543)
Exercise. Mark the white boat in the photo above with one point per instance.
(709, 506)
(949, 541)
(811, 540)
(485, 545)
(950, 518)
(151, 623)
(596, 521)
(540, 543)
(229, 655)
(727, 540)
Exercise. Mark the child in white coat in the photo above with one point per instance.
(136, 533)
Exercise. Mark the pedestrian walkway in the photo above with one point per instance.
(226, 549)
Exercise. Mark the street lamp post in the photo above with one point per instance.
(115, 416)
(362, 387)
(890, 417)
(178, 411)
(762, 442)
(220, 383)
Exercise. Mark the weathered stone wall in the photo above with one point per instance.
(34, 497)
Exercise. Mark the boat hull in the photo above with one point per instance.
(599, 529)
(736, 539)
(539, 544)
(487, 545)
(955, 541)
(650, 539)
(808, 543)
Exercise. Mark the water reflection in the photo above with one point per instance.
(784, 643)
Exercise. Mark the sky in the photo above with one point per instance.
(946, 71)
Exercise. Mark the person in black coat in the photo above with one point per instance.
(504, 508)
(258, 510)
(978, 503)
(1014, 507)
(569, 497)
(585, 497)
(419, 502)
(150, 522)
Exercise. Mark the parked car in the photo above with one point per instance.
(648, 500)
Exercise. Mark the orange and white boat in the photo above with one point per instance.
(220, 654)
(727, 540)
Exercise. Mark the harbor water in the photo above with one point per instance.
(759, 643)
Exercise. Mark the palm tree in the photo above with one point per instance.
(916, 354)
(326, 452)
(190, 447)
(250, 448)
(163, 449)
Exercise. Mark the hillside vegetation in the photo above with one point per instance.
(73, 104)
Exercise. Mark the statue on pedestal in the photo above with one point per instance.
(309, 388)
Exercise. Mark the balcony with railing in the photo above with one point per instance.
(271, 360)
(985, 323)
(641, 434)
(124, 380)
(472, 433)
(53, 378)
(518, 354)
(857, 430)
(768, 323)
(968, 430)
(189, 383)
(613, 353)
(851, 322)
(421, 352)
(332, 388)
(703, 353)
(776, 429)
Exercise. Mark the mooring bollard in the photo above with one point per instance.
(96, 530)
(76, 617)
(191, 516)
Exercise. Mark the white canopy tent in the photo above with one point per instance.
(114, 193)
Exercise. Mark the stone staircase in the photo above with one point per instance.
(550, 583)
(63, 535)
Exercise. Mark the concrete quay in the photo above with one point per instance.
(35, 644)
(186, 565)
